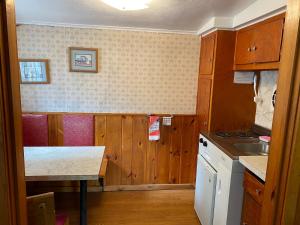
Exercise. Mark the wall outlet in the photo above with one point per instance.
(167, 121)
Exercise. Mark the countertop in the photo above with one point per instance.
(256, 164)
(227, 144)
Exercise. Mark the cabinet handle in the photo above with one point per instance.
(254, 48)
(258, 191)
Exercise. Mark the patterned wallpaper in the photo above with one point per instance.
(140, 72)
(265, 110)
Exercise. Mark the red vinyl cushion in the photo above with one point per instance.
(61, 219)
(78, 130)
(35, 130)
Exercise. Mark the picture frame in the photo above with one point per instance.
(34, 71)
(83, 60)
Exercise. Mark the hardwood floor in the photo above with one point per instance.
(165, 207)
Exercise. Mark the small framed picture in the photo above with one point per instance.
(83, 60)
(34, 71)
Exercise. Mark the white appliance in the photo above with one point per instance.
(219, 186)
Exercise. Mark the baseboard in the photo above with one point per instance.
(148, 187)
(143, 187)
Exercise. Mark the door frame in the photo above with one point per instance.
(278, 206)
(12, 177)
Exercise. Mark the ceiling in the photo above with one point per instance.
(172, 15)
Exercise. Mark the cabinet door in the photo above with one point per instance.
(207, 54)
(203, 102)
(251, 211)
(267, 43)
(243, 53)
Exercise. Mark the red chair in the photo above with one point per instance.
(78, 130)
(35, 130)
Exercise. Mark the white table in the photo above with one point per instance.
(65, 163)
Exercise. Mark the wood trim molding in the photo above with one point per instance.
(12, 181)
(143, 187)
(283, 121)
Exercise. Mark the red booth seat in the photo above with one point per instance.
(78, 130)
(35, 130)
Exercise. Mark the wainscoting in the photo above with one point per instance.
(133, 159)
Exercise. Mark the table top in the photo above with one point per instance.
(63, 163)
(256, 164)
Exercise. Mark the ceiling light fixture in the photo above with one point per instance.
(128, 4)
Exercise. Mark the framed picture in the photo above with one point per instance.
(34, 71)
(83, 60)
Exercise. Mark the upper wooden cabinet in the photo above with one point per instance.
(258, 46)
(221, 104)
(204, 93)
(207, 54)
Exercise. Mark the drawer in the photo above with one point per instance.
(254, 187)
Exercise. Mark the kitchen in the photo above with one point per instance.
(171, 124)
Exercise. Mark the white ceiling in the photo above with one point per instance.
(172, 15)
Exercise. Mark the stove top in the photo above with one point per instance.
(236, 134)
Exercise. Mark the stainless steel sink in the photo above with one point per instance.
(258, 148)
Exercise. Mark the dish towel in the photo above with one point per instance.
(154, 132)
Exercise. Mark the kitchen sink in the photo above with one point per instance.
(257, 148)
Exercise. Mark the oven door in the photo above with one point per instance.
(205, 191)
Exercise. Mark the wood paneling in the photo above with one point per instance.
(189, 137)
(139, 149)
(127, 141)
(133, 159)
(113, 147)
(163, 155)
(55, 130)
(175, 153)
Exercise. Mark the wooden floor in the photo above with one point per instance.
(166, 207)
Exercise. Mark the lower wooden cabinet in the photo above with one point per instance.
(253, 198)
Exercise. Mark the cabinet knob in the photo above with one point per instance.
(249, 49)
(258, 191)
(254, 48)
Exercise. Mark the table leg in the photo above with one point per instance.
(83, 199)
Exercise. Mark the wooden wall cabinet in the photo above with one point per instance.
(253, 198)
(207, 54)
(258, 46)
(221, 104)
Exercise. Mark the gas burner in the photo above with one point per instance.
(245, 135)
(224, 134)
(235, 134)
